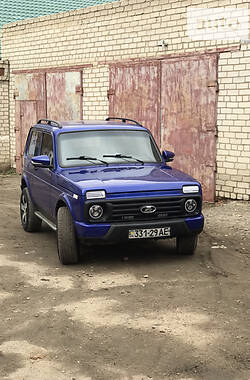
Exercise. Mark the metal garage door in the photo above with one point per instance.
(134, 93)
(176, 99)
(189, 115)
(30, 106)
(63, 100)
(53, 95)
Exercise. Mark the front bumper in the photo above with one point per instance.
(117, 232)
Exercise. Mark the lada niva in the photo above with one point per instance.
(106, 181)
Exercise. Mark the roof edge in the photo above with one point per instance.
(60, 15)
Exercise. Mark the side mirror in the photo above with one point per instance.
(41, 161)
(168, 156)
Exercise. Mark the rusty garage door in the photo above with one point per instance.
(134, 93)
(53, 95)
(63, 100)
(189, 116)
(30, 106)
(180, 109)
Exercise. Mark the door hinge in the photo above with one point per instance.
(79, 90)
(216, 131)
(212, 128)
(213, 83)
(16, 130)
(16, 94)
(17, 158)
(211, 165)
(110, 93)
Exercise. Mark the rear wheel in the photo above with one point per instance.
(186, 245)
(67, 245)
(29, 220)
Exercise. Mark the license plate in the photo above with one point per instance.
(148, 233)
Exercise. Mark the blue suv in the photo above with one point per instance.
(105, 181)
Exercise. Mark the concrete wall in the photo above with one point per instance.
(131, 29)
(4, 115)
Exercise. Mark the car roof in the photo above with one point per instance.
(84, 125)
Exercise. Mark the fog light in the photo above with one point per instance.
(190, 205)
(96, 211)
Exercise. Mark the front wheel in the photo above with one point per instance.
(29, 220)
(186, 245)
(67, 245)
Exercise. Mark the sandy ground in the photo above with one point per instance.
(127, 312)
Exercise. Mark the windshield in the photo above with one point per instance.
(111, 146)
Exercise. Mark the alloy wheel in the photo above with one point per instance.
(24, 209)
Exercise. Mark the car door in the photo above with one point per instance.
(33, 148)
(45, 175)
(41, 178)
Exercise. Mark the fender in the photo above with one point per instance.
(24, 178)
(65, 199)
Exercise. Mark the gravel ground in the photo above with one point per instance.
(130, 312)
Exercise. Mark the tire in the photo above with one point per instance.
(29, 220)
(67, 245)
(186, 245)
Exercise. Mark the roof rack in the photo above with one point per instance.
(124, 120)
(53, 123)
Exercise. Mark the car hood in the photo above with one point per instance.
(120, 179)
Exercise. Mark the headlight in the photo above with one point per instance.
(190, 189)
(190, 205)
(96, 211)
(96, 194)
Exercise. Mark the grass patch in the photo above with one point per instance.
(7, 170)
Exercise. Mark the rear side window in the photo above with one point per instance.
(34, 143)
(47, 146)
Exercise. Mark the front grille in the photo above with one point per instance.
(129, 210)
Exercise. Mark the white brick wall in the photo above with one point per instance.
(130, 29)
(4, 118)
(233, 146)
(95, 87)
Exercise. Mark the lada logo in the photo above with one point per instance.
(150, 209)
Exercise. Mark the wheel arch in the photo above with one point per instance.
(63, 201)
(60, 203)
(24, 182)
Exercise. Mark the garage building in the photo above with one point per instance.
(135, 58)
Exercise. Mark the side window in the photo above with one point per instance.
(47, 146)
(35, 143)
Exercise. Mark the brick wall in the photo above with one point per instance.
(4, 115)
(131, 29)
(233, 146)
(95, 87)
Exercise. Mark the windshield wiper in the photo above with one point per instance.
(118, 155)
(86, 158)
